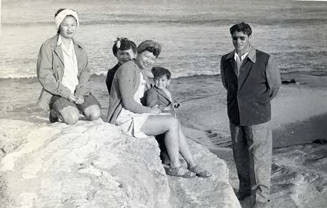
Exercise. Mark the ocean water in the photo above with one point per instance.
(194, 34)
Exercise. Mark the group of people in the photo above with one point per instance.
(141, 104)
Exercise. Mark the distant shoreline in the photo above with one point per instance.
(184, 21)
(286, 75)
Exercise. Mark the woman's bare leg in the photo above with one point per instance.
(159, 124)
(186, 153)
(184, 148)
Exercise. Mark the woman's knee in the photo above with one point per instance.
(70, 115)
(173, 124)
(92, 112)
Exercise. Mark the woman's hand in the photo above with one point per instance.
(168, 108)
(155, 110)
(79, 100)
(72, 98)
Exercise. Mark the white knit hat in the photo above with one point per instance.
(64, 13)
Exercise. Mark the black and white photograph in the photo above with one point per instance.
(163, 104)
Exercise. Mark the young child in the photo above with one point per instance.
(159, 94)
(124, 50)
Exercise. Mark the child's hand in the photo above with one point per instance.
(176, 105)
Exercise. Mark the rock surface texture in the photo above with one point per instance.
(299, 176)
(93, 164)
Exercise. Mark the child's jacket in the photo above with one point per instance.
(155, 96)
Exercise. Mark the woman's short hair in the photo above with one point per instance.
(151, 46)
(123, 44)
(241, 27)
(160, 72)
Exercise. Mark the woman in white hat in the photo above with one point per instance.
(62, 69)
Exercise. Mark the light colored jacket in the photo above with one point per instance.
(124, 86)
(50, 70)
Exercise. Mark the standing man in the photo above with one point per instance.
(252, 80)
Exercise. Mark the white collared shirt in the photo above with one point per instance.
(69, 78)
(242, 57)
(239, 61)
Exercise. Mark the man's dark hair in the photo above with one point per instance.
(124, 44)
(160, 72)
(241, 27)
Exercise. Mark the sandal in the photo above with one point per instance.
(199, 171)
(180, 172)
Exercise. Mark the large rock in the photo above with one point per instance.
(213, 192)
(299, 176)
(93, 164)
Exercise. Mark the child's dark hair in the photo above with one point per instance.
(160, 72)
(241, 27)
(123, 44)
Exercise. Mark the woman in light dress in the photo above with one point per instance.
(126, 110)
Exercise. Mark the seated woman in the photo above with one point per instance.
(126, 110)
(62, 69)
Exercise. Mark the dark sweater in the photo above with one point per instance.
(110, 76)
(155, 96)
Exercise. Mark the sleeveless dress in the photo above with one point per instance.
(130, 122)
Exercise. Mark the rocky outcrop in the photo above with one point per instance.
(213, 192)
(93, 164)
(299, 176)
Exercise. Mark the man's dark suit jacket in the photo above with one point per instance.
(249, 92)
